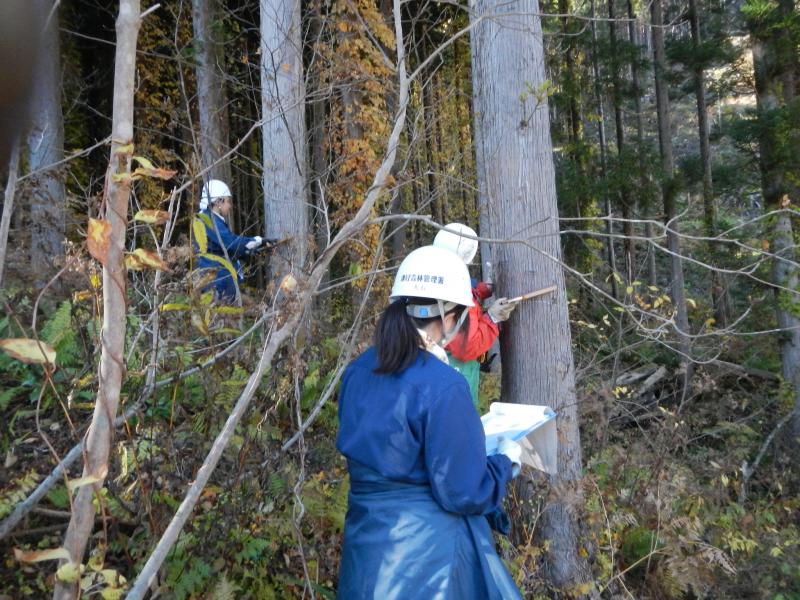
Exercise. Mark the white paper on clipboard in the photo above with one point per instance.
(532, 427)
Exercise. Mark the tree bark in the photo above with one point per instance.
(435, 196)
(652, 276)
(319, 224)
(774, 66)
(283, 132)
(601, 134)
(211, 102)
(112, 358)
(718, 291)
(516, 158)
(8, 206)
(45, 148)
(575, 251)
(619, 127)
(668, 190)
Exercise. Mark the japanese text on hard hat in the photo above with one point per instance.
(422, 278)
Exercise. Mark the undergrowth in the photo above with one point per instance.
(665, 512)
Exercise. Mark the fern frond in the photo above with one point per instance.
(58, 325)
(224, 590)
(59, 332)
(18, 491)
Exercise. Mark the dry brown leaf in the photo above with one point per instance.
(29, 351)
(152, 217)
(98, 239)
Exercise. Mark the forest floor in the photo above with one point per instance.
(666, 510)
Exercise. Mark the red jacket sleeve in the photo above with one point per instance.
(471, 342)
(481, 291)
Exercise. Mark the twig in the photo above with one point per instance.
(749, 469)
(24, 507)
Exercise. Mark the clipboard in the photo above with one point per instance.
(532, 426)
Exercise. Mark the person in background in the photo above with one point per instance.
(421, 484)
(216, 203)
(482, 329)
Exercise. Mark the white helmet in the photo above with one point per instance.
(466, 248)
(435, 273)
(212, 191)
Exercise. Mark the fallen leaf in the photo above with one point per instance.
(73, 484)
(289, 283)
(40, 555)
(140, 259)
(144, 162)
(98, 239)
(200, 236)
(81, 296)
(68, 573)
(126, 149)
(29, 351)
(174, 306)
(152, 217)
(11, 459)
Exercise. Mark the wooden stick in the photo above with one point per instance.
(531, 295)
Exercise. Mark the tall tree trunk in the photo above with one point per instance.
(211, 102)
(575, 251)
(619, 126)
(45, 148)
(718, 292)
(283, 132)
(318, 158)
(644, 181)
(21, 23)
(435, 197)
(775, 69)
(516, 156)
(601, 134)
(112, 357)
(669, 192)
(8, 207)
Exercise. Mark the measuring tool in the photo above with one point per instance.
(532, 295)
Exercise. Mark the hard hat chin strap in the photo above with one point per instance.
(448, 336)
(440, 309)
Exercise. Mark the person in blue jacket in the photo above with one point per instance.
(421, 484)
(216, 203)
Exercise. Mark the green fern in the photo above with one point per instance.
(20, 487)
(59, 332)
(232, 388)
(224, 590)
(276, 486)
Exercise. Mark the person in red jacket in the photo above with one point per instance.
(481, 330)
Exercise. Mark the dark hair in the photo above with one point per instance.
(396, 339)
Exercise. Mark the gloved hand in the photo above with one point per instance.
(500, 310)
(513, 451)
(255, 243)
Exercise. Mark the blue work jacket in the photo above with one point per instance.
(223, 283)
(421, 484)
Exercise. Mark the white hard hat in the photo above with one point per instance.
(435, 273)
(212, 191)
(466, 248)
